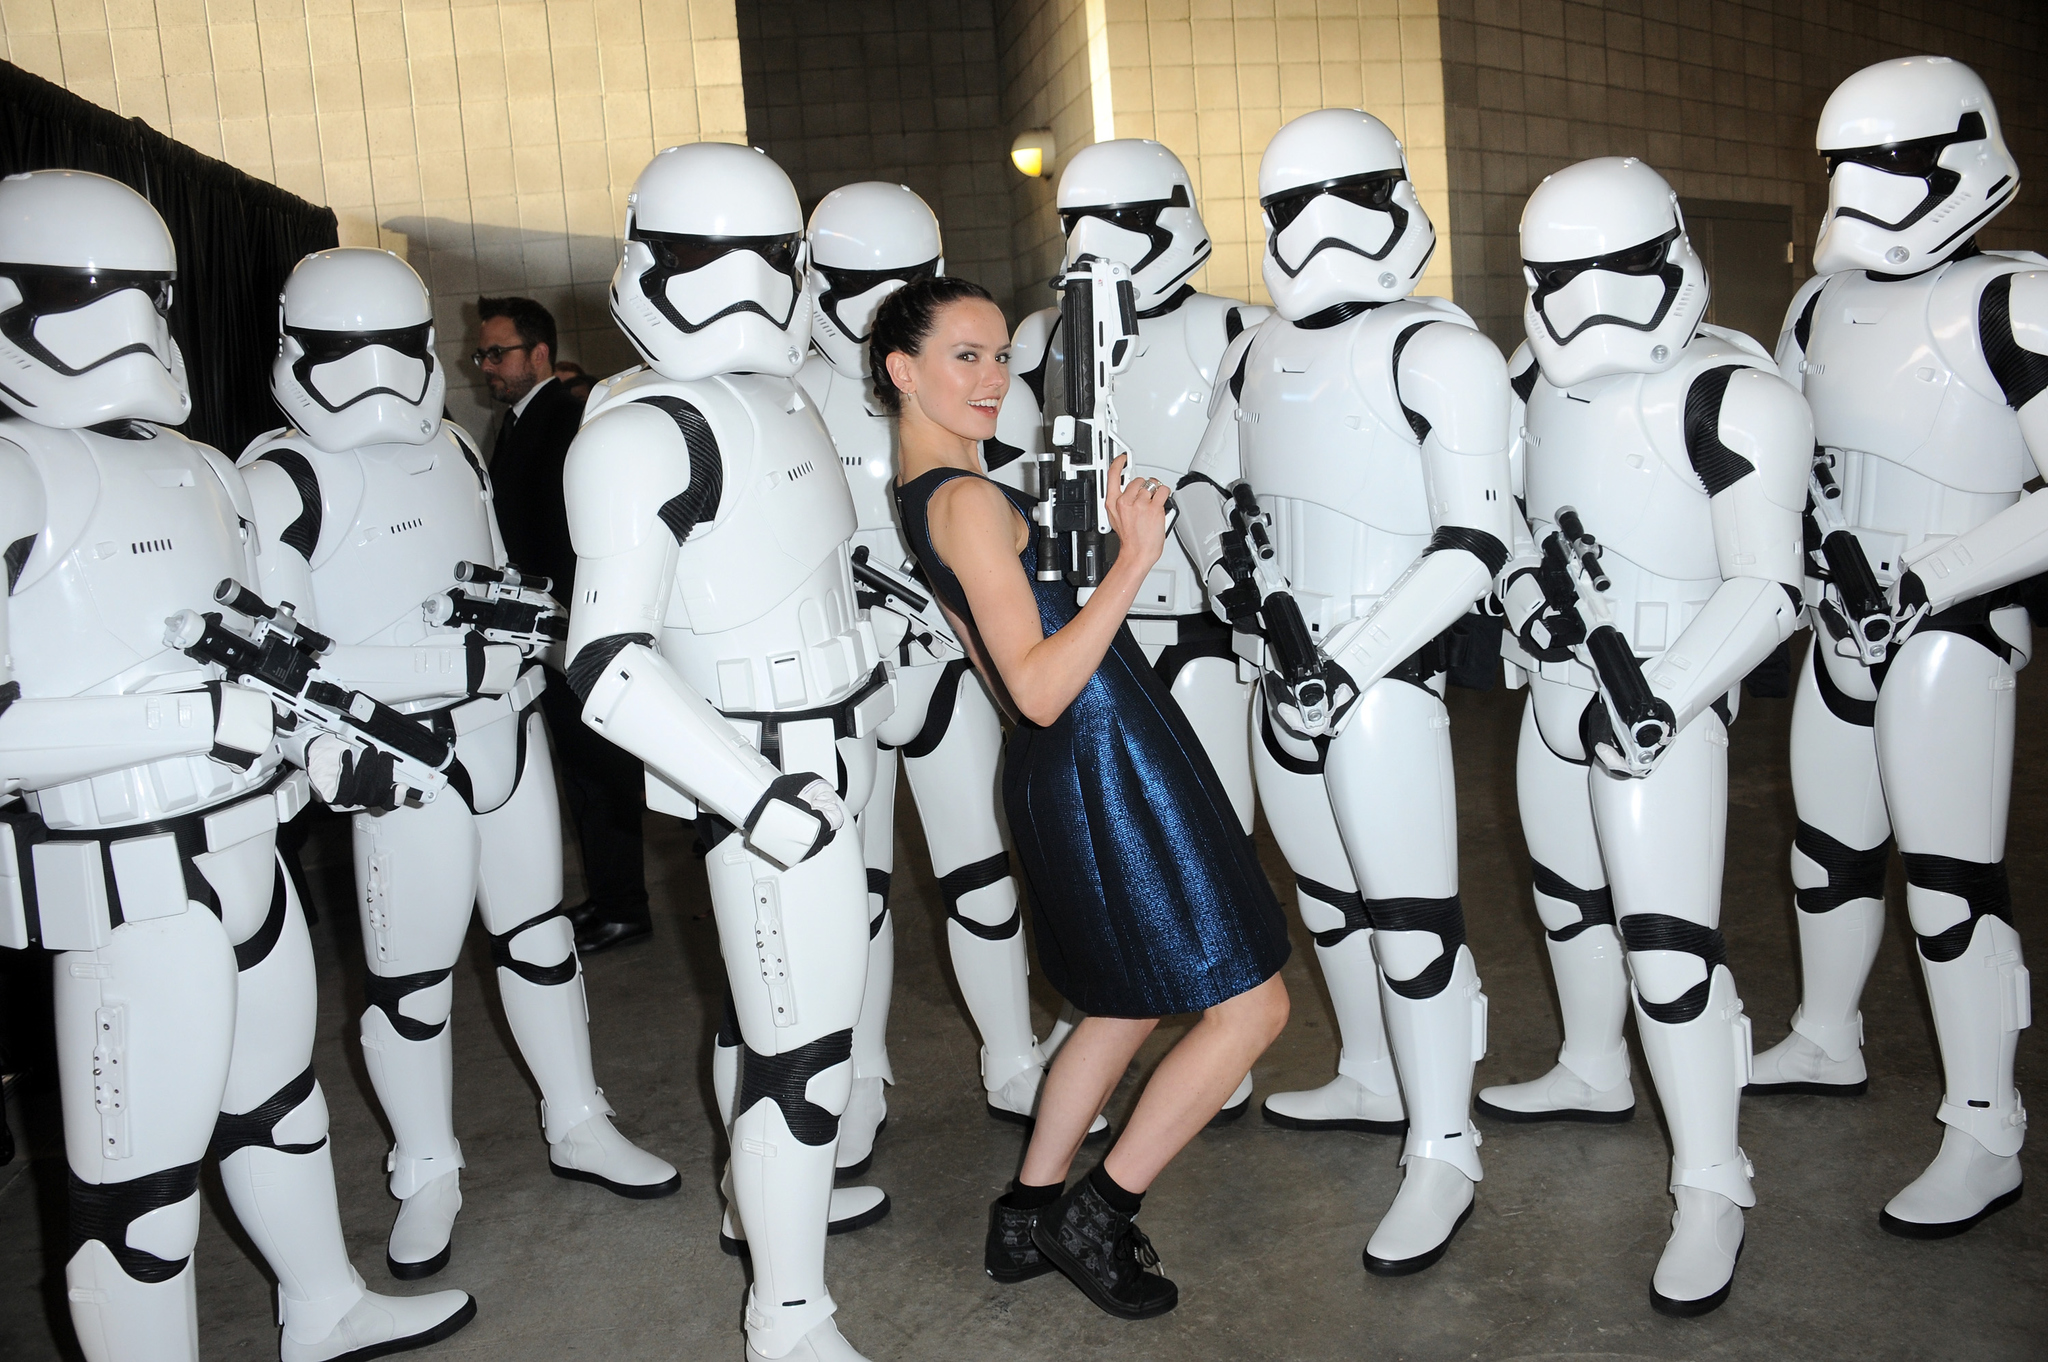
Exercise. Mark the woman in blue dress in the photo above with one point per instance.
(1147, 899)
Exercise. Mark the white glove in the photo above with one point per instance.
(797, 818)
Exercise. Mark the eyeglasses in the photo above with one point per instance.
(494, 354)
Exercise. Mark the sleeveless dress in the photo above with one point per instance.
(1147, 898)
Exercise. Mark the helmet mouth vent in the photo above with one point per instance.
(673, 255)
(845, 285)
(1580, 283)
(54, 290)
(1140, 217)
(1373, 193)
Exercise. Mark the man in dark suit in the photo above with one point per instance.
(605, 786)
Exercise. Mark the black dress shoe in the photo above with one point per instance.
(582, 915)
(602, 936)
(1010, 1255)
(1103, 1252)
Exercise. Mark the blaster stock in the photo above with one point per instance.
(1860, 613)
(502, 604)
(279, 657)
(1643, 725)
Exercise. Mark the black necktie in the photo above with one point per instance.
(504, 435)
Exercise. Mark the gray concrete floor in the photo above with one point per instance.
(1261, 1227)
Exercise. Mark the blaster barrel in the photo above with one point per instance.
(1583, 547)
(484, 575)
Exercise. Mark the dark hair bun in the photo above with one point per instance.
(904, 322)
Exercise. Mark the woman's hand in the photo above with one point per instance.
(1138, 515)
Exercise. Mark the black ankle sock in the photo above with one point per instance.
(1022, 1196)
(1119, 1198)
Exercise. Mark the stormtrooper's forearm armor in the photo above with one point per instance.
(1453, 384)
(628, 470)
(2013, 544)
(1753, 459)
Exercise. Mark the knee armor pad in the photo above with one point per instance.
(1662, 932)
(389, 994)
(258, 1128)
(878, 887)
(980, 875)
(1844, 872)
(1348, 902)
(1982, 887)
(785, 1081)
(1557, 898)
(108, 1212)
(1444, 917)
(552, 937)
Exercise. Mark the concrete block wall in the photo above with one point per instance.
(1052, 56)
(903, 91)
(1215, 79)
(1721, 96)
(490, 142)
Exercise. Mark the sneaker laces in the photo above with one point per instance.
(1140, 1246)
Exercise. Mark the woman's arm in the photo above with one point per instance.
(975, 530)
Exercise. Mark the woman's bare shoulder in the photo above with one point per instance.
(970, 515)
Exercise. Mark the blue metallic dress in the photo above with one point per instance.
(1147, 899)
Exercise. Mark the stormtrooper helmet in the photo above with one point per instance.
(712, 278)
(1130, 201)
(1343, 224)
(355, 351)
(1614, 283)
(1916, 165)
(867, 240)
(85, 295)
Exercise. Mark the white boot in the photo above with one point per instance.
(595, 1152)
(420, 1238)
(1435, 1041)
(1590, 1082)
(415, 1084)
(1980, 1004)
(852, 1208)
(551, 1024)
(1365, 1095)
(377, 1326)
(1015, 1099)
(119, 1319)
(1698, 1264)
(821, 1344)
(1823, 1056)
(1699, 1067)
(782, 1189)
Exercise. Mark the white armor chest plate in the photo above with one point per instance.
(866, 440)
(1614, 450)
(1332, 458)
(762, 615)
(138, 530)
(1898, 384)
(395, 521)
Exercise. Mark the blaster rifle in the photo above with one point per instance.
(875, 585)
(1260, 602)
(1643, 725)
(1099, 327)
(503, 604)
(1860, 614)
(279, 657)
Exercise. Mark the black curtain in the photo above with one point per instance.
(237, 239)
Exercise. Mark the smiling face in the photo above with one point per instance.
(957, 379)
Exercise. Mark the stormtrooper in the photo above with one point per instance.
(716, 635)
(1130, 201)
(866, 241)
(1663, 470)
(1923, 360)
(363, 507)
(142, 848)
(1374, 428)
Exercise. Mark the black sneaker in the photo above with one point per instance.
(1011, 1256)
(1103, 1252)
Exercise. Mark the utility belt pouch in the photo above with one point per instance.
(71, 904)
(809, 745)
(532, 681)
